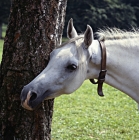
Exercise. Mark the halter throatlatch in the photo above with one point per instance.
(102, 74)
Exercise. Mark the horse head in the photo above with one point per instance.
(68, 67)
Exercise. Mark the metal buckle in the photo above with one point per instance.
(102, 75)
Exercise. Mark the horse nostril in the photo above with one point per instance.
(33, 96)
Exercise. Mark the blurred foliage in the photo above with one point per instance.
(122, 14)
(4, 10)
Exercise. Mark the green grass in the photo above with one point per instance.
(84, 115)
(1, 48)
(4, 27)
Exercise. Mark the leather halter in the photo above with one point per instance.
(102, 74)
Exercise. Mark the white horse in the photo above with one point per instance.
(80, 59)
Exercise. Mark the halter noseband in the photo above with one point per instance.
(102, 74)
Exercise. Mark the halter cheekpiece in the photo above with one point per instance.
(102, 74)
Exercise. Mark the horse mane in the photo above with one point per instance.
(115, 34)
(106, 34)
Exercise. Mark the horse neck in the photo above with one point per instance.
(123, 65)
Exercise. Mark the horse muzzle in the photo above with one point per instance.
(31, 99)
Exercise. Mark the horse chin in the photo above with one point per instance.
(52, 96)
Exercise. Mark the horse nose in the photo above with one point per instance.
(33, 96)
(28, 100)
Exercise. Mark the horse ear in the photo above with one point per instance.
(71, 32)
(88, 36)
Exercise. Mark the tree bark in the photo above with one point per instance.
(35, 28)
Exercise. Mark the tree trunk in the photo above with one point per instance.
(35, 28)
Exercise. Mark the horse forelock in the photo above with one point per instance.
(115, 34)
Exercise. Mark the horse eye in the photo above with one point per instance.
(72, 67)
